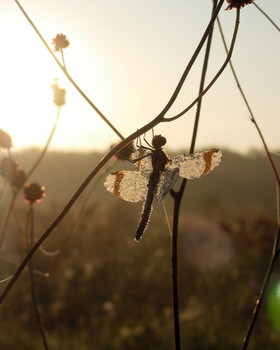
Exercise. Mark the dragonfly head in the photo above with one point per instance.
(158, 141)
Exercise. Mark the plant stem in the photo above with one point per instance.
(217, 74)
(270, 20)
(63, 60)
(66, 73)
(15, 193)
(192, 60)
(41, 156)
(178, 198)
(274, 257)
(275, 252)
(3, 188)
(174, 273)
(7, 218)
(253, 120)
(104, 160)
(252, 117)
(32, 280)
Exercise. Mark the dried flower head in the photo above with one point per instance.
(18, 179)
(59, 95)
(8, 168)
(60, 42)
(238, 3)
(34, 192)
(5, 139)
(125, 153)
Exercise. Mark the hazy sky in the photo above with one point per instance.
(128, 56)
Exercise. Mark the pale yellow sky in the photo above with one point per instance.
(128, 56)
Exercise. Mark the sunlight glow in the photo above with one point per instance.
(27, 109)
(128, 63)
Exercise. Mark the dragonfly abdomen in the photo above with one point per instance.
(148, 205)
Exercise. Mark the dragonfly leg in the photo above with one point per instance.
(147, 142)
(137, 159)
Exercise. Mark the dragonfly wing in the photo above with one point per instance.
(131, 186)
(144, 161)
(167, 180)
(195, 165)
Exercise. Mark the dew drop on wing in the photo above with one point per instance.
(195, 165)
(144, 163)
(167, 180)
(130, 186)
(147, 207)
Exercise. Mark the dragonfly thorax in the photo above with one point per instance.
(159, 160)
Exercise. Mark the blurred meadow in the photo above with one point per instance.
(89, 285)
(107, 292)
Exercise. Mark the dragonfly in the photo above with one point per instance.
(156, 174)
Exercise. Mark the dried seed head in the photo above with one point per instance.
(238, 3)
(60, 42)
(59, 95)
(34, 192)
(8, 168)
(126, 152)
(5, 139)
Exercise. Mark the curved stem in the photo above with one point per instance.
(64, 212)
(252, 117)
(270, 20)
(253, 120)
(67, 75)
(192, 60)
(117, 148)
(5, 224)
(32, 280)
(178, 198)
(38, 161)
(259, 302)
(7, 218)
(63, 60)
(174, 273)
(216, 76)
(3, 188)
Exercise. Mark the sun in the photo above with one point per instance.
(27, 72)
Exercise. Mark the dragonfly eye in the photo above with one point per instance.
(158, 141)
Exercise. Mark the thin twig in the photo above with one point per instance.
(84, 205)
(252, 117)
(63, 60)
(174, 274)
(253, 120)
(41, 156)
(116, 149)
(5, 279)
(177, 204)
(260, 299)
(166, 218)
(29, 173)
(270, 20)
(216, 76)
(66, 73)
(78, 219)
(191, 62)
(275, 252)
(3, 188)
(7, 219)
(15, 263)
(32, 280)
